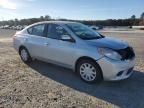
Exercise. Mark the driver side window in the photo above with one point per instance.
(56, 31)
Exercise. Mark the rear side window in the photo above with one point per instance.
(30, 30)
(37, 30)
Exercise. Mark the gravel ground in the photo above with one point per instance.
(44, 85)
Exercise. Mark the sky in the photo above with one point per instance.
(71, 9)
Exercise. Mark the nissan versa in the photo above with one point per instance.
(76, 46)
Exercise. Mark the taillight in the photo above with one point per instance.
(14, 37)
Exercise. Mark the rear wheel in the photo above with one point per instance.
(25, 56)
(89, 71)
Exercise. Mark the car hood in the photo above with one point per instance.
(107, 42)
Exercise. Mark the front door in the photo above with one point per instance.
(58, 50)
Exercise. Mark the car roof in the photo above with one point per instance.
(55, 22)
(47, 22)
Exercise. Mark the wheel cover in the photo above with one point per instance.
(24, 55)
(88, 72)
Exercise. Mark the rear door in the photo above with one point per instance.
(37, 40)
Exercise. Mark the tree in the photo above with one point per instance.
(141, 19)
(16, 21)
(142, 16)
(41, 18)
(47, 17)
(133, 18)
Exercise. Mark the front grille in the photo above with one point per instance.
(126, 53)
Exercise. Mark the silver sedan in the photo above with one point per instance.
(73, 45)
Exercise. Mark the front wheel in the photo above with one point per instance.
(89, 71)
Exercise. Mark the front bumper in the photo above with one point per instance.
(116, 70)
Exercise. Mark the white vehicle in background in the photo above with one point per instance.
(6, 26)
(24, 26)
(13, 28)
(138, 27)
(96, 27)
(19, 27)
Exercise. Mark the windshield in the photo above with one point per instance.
(83, 32)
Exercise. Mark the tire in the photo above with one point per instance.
(89, 71)
(25, 56)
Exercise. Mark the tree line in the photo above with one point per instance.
(132, 21)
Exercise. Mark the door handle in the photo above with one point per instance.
(46, 44)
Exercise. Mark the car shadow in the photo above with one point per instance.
(127, 93)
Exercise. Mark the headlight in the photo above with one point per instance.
(109, 53)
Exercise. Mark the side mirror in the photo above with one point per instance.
(94, 28)
(67, 38)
